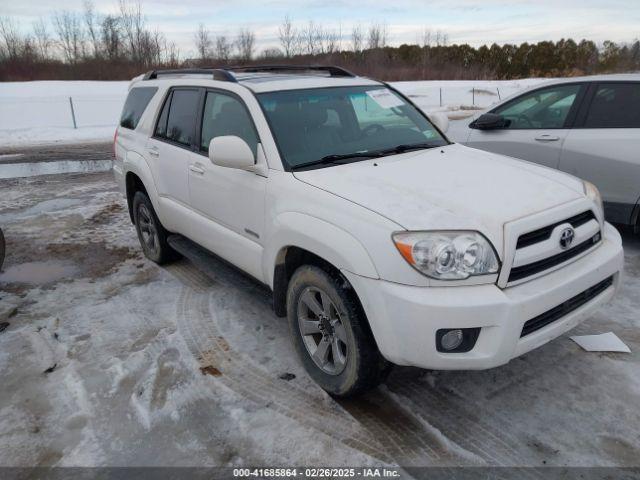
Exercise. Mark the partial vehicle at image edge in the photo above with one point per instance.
(383, 242)
(586, 126)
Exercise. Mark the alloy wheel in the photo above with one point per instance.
(322, 330)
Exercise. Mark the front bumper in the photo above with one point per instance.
(404, 319)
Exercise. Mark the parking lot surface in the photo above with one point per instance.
(110, 360)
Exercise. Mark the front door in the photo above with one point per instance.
(228, 203)
(538, 126)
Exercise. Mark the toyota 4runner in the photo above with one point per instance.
(382, 242)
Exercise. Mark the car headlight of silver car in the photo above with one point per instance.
(448, 255)
(592, 192)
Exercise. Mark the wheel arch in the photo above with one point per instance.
(302, 239)
(138, 178)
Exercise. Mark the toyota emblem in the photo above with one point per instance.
(566, 238)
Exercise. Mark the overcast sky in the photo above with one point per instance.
(464, 21)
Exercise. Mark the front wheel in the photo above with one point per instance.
(331, 335)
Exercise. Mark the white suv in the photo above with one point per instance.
(381, 241)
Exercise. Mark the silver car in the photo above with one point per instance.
(588, 127)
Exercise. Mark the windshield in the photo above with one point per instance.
(309, 125)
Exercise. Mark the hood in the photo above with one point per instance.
(452, 187)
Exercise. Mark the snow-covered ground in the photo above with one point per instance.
(40, 112)
(110, 360)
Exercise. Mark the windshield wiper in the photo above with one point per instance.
(406, 147)
(329, 159)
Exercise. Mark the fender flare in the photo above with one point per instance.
(327, 241)
(136, 164)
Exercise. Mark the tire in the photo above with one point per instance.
(151, 233)
(347, 361)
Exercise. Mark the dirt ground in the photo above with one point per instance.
(109, 360)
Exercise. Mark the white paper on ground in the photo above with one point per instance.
(605, 342)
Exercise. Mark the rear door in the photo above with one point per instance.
(539, 123)
(169, 150)
(604, 146)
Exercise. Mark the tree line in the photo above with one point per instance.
(118, 46)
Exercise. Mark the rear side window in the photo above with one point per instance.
(615, 105)
(178, 117)
(134, 106)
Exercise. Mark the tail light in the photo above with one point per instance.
(115, 139)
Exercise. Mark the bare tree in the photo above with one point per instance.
(289, 37)
(245, 44)
(133, 28)
(42, 39)
(111, 34)
(11, 38)
(70, 35)
(223, 48)
(330, 41)
(442, 39)
(91, 24)
(377, 37)
(356, 38)
(171, 54)
(312, 38)
(269, 53)
(203, 42)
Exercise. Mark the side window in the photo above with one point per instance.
(226, 115)
(177, 120)
(134, 106)
(545, 108)
(615, 105)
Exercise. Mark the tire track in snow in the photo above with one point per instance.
(375, 425)
(467, 429)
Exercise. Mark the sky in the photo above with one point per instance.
(476, 22)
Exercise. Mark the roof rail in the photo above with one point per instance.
(217, 73)
(332, 70)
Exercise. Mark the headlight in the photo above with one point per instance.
(447, 255)
(591, 191)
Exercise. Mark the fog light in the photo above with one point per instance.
(456, 340)
(451, 340)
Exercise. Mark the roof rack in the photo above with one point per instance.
(217, 73)
(224, 74)
(332, 70)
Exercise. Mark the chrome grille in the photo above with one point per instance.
(539, 250)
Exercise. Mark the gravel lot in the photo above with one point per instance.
(110, 360)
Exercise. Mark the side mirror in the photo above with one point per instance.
(231, 152)
(490, 121)
(440, 120)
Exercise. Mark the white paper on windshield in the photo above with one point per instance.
(384, 98)
(606, 342)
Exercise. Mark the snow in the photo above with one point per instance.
(39, 112)
(129, 341)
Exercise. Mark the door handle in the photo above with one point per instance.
(196, 169)
(154, 152)
(545, 137)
